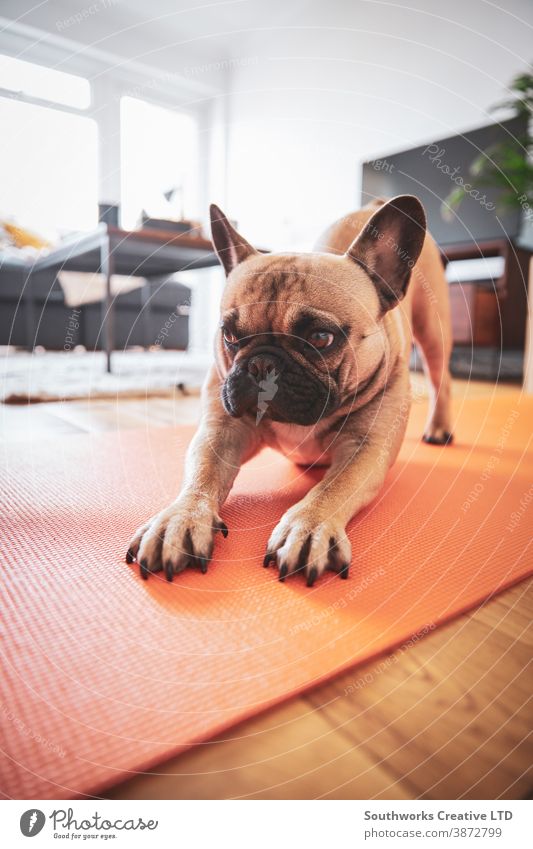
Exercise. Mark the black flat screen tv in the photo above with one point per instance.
(432, 170)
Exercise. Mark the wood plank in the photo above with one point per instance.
(30, 423)
(510, 613)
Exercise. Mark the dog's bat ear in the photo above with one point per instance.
(230, 247)
(389, 246)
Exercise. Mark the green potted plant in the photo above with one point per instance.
(507, 166)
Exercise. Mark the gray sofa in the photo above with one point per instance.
(154, 314)
(32, 309)
(33, 312)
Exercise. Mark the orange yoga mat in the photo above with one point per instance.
(105, 674)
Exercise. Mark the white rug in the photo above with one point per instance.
(59, 376)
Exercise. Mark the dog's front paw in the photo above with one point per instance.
(304, 541)
(180, 536)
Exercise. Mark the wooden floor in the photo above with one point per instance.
(449, 718)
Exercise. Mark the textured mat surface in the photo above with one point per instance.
(105, 674)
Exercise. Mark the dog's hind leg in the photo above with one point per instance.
(435, 357)
(433, 334)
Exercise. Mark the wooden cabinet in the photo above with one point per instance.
(475, 315)
(490, 314)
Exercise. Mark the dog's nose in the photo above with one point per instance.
(262, 365)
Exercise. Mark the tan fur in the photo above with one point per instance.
(369, 374)
(424, 313)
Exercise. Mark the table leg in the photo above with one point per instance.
(106, 267)
(29, 313)
(146, 309)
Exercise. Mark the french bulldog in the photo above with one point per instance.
(311, 358)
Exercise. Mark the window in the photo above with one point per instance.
(48, 156)
(50, 148)
(43, 83)
(159, 154)
(48, 168)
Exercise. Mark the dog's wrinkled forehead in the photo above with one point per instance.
(372, 274)
(269, 293)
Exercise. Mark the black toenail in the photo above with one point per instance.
(312, 576)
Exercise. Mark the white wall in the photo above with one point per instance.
(347, 80)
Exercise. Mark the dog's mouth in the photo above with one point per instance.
(284, 395)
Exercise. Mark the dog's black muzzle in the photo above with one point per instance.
(270, 383)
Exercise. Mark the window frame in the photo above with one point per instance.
(43, 101)
(108, 84)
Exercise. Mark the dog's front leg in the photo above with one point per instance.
(183, 534)
(311, 535)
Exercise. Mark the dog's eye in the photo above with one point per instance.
(320, 339)
(230, 338)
